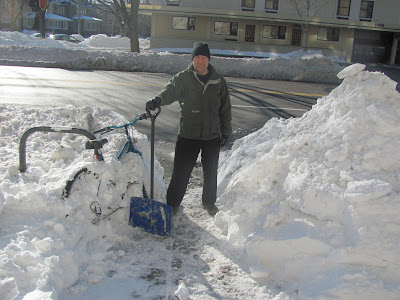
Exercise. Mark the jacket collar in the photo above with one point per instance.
(213, 74)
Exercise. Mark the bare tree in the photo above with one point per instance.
(126, 12)
(108, 6)
(14, 9)
(306, 10)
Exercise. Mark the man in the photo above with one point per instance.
(205, 125)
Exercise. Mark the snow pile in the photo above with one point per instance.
(48, 243)
(100, 52)
(315, 201)
(78, 37)
(114, 42)
(103, 41)
(8, 38)
(278, 68)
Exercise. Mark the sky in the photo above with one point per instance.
(308, 206)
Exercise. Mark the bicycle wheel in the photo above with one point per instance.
(68, 186)
(109, 185)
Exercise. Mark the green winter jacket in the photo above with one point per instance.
(205, 108)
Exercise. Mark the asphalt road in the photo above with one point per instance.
(254, 101)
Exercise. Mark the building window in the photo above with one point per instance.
(56, 24)
(226, 28)
(248, 4)
(274, 32)
(28, 23)
(60, 9)
(328, 34)
(343, 9)
(90, 26)
(183, 23)
(367, 7)
(6, 19)
(2, 3)
(173, 2)
(271, 5)
(83, 11)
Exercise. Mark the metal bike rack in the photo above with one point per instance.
(22, 144)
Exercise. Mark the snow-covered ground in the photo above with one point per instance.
(308, 207)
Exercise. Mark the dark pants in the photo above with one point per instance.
(186, 153)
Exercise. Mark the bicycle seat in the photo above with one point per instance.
(95, 144)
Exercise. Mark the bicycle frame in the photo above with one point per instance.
(97, 145)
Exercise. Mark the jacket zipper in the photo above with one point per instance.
(215, 81)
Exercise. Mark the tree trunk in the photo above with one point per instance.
(79, 17)
(12, 12)
(43, 24)
(134, 37)
(133, 26)
(305, 28)
(130, 19)
(16, 18)
(36, 22)
(121, 26)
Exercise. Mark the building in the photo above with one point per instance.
(69, 9)
(355, 30)
(61, 17)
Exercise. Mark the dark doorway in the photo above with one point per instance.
(372, 46)
(296, 37)
(250, 33)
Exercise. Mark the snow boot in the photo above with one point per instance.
(211, 209)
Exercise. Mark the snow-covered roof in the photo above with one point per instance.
(61, 1)
(87, 18)
(49, 16)
(70, 2)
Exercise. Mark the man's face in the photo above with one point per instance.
(200, 63)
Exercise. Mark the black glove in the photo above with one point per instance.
(224, 139)
(153, 104)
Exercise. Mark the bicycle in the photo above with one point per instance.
(92, 181)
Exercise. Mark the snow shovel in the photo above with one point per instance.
(153, 216)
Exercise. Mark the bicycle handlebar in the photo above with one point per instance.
(144, 116)
(94, 144)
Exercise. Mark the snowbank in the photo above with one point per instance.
(104, 53)
(48, 241)
(315, 200)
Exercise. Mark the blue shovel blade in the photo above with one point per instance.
(153, 216)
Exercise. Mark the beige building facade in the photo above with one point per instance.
(355, 30)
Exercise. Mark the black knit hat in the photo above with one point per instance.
(200, 48)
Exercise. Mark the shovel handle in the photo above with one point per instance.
(153, 120)
(153, 115)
